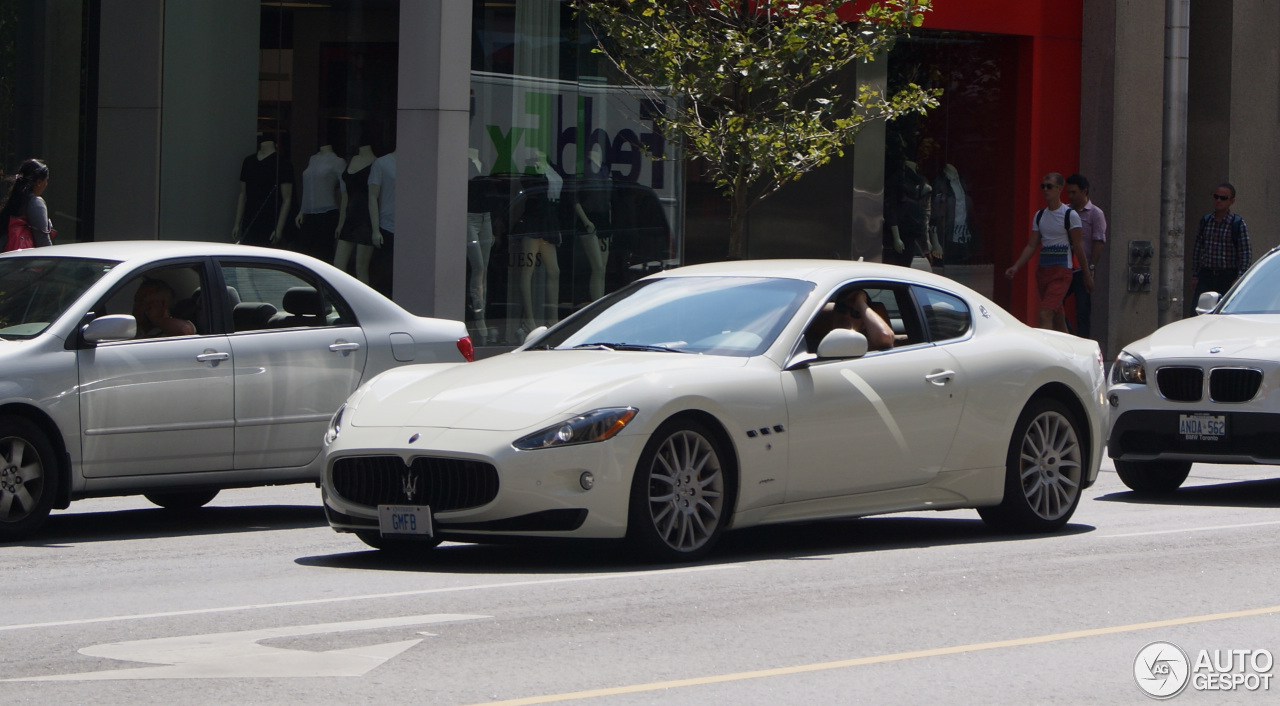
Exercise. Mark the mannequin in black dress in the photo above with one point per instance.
(355, 227)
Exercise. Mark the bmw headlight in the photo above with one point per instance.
(1128, 370)
(332, 431)
(596, 425)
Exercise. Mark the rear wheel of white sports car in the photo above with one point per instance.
(28, 477)
(1044, 471)
(682, 493)
(1153, 477)
(182, 500)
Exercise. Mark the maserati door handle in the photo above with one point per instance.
(941, 377)
(344, 347)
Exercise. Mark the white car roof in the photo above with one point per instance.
(823, 272)
(128, 250)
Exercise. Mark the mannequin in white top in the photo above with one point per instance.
(382, 218)
(322, 192)
(593, 194)
(355, 227)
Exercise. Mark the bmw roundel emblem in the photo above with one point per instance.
(413, 438)
(1215, 349)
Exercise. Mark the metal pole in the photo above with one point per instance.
(1173, 186)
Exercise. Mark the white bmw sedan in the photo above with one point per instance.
(1201, 390)
(719, 396)
(175, 369)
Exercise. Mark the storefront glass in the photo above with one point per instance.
(282, 117)
(43, 79)
(948, 185)
(571, 192)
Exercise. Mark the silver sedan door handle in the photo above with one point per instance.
(941, 377)
(344, 347)
(212, 356)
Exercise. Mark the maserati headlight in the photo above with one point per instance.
(596, 425)
(1128, 370)
(332, 431)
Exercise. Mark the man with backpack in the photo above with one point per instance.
(1222, 250)
(1055, 230)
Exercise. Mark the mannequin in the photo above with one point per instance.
(266, 190)
(952, 214)
(355, 227)
(593, 211)
(382, 219)
(538, 228)
(907, 206)
(479, 244)
(322, 190)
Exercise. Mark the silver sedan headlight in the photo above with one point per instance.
(1128, 370)
(596, 425)
(332, 431)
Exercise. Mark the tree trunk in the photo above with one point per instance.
(738, 224)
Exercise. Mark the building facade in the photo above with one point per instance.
(530, 182)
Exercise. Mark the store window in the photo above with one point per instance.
(949, 174)
(43, 79)
(281, 117)
(572, 194)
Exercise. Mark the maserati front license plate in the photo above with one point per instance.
(404, 520)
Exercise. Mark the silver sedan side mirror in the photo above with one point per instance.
(1208, 302)
(842, 343)
(114, 327)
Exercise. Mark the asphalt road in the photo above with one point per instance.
(254, 600)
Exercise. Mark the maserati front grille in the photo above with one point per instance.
(442, 483)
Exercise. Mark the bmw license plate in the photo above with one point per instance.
(1202, 427)
(404, 521)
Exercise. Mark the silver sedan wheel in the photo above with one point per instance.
(21, 479)
(686, 491)
(1051, 465)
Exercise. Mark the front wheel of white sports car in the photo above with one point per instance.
(1153, 477)
(1044, 471)
(682, 493)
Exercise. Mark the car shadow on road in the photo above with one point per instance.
(812, 540)
(82, 527)
(1248, 493)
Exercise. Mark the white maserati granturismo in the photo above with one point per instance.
(1202, 389)
(720, 396)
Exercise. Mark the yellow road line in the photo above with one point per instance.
(880, 659)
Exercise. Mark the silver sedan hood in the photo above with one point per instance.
(516, 390)
(1236, 335)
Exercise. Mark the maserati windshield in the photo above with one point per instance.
(733, 316)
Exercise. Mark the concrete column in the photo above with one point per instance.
(1253, 150)
(127, 198)
(1129, 170)
(431, 157)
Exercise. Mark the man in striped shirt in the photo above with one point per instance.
(1222, 251)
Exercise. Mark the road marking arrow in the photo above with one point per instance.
(238, 654)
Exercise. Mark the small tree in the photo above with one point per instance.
(756, 81)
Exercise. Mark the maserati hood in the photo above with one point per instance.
(517, 390)
(1249, 336)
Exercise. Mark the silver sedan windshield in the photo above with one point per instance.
(733, 316)
(35, 291)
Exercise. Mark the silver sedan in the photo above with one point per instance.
(176, 369)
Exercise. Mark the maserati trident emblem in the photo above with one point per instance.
(410, 484)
